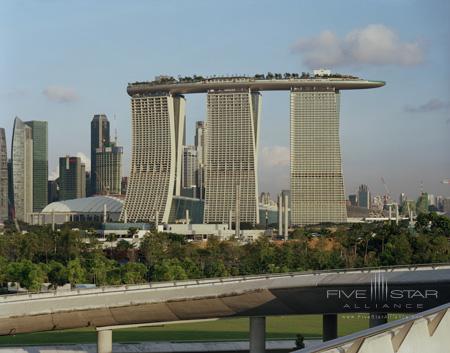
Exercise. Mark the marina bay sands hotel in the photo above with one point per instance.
(232, 137)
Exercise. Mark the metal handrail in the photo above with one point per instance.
(373, 331)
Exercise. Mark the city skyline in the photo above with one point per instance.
(400, 134)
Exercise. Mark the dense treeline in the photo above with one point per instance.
(68, 256)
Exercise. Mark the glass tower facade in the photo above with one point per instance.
(109, 170)
(99, 138)
(72, 178)
(363, 196)
(39, 132)
(22, 170)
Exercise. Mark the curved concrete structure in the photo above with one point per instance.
(256, 85)
(427, 331)
(411, 289)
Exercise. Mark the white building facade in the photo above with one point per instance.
(317, 187)
(158, 122)
(232, 145)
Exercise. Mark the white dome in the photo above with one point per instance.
(92, 204)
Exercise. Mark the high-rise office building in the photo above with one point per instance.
(3, 177)
(265, 198)
(108, 169)
(22, 170)
(317, 187)
(99, 138)
(402, 198)
(189, 172)
(231, 167)
(10, 190)
(200, 146)
(446, 206)
(124, 185)
(189, 167)
(72, 178)
(353, 199)
(53, 190)
(364, 196)
(40, 163)
(431, 200)
(158, 123)
(439, 202)
(89, 191)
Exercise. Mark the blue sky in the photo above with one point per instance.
(64, 61)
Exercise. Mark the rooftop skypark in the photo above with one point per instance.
(317, 74)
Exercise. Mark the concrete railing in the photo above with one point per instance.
(212, 281)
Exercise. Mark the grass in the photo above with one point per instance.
(278, 327)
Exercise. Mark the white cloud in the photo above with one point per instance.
(86, 160)
(54, 174)
(374, 44)
(274, 156)
(273, 169)
(60, 94)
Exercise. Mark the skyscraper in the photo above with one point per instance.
(200, 146)
(231, 167)
(363, 196)
(3, 177)
(402, 198)
(108, 170)
(190, 166)
(233, 106)
(53, 190)
(158, 122)
(317, 187)
(353, 199)
(40, 163)
(72, 178)
(22, 170)
(99, 138)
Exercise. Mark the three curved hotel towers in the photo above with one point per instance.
(233, 113)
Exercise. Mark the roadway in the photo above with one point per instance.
(396, 289)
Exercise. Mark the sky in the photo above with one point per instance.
(64, 61)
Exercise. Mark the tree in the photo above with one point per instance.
(75, 272)
(3, 269)
(57, 273)
(133, 273)
(169, 270)
(28, 274)
(154, 247)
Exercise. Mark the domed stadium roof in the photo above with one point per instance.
(92, 204)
